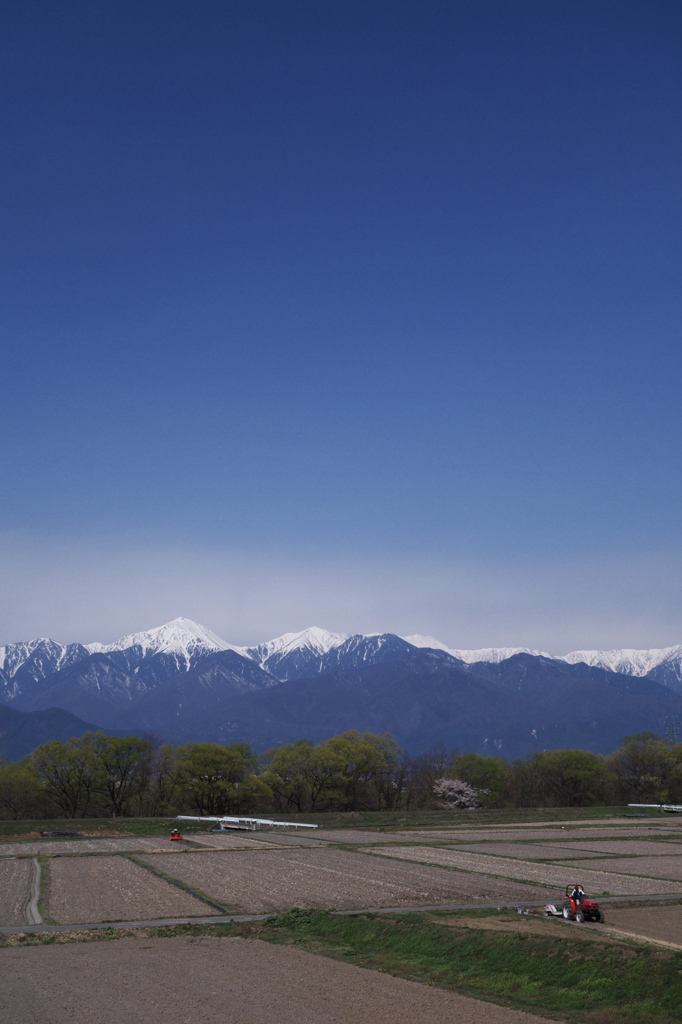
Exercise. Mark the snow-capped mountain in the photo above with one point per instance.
(24, 666)
(629, 662)
(296, 654)
(180, 637)
(494, 654)
(159, 678)
(663, 664)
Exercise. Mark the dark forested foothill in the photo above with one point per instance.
(98, 775)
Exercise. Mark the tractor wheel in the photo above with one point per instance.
(579, 916)
(568, 915)
(601, 917)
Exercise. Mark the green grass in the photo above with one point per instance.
(333, 819)
(562, 976)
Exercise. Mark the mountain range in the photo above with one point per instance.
(181, 682)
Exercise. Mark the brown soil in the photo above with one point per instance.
(352, 836)
(226, 842)
(524, 851)
(37, 835)
(595, 882)
(59, 847)
(652, 867)
(15, 882)
(275, 880)
(218, 981)
(662, 923)
(535, 924)
(288, 839)
(85, 889)
(631, 847)
(557, 835)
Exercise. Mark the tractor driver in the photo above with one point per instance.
(578, 894)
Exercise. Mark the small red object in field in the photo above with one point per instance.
(175, 837)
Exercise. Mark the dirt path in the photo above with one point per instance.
(218, 981)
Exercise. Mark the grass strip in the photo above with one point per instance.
(562, 976)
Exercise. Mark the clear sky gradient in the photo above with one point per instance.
(365, 314)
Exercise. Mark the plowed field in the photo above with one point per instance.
(630, 847)
(524, 851)
(662, 923)
(595, 882)
(219, 981)
(221, 842)
(652, 867)
(280, 879)
(50, 847)
(15, 883)
(81, 890)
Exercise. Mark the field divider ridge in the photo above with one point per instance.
(179, 885)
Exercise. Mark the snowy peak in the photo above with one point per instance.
(312, 640)
(627, 661)
(493, 654)
(181, 637)
(47, 656)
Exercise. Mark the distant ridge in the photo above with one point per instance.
(181, 680)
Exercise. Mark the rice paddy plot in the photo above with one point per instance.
(15, 890)
(276, 880)
(81, 890)
(556, 875)
(652, 867)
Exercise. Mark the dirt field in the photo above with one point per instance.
(524, 851)
(81, 890)
(15, 883)
(630, 847)
(289, 839)
(277, 880)
(652, 867)
(557, 835)
(353, 835)
(51, 847)
(663, 923)
(218, 981)
(595, 882)
(218, 842)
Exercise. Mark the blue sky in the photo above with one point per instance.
(297, 294)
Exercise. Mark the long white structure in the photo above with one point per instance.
(252, 824)
(670, 808)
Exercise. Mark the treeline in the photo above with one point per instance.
(104, 776)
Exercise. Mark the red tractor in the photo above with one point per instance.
(577, 907)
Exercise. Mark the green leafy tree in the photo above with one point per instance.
(571, 778)
(647, 767)
(215, 779)
(68, 772)
(22, 794)
(358, 767)
(122, 771)
(289, 772)
(488, 775)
